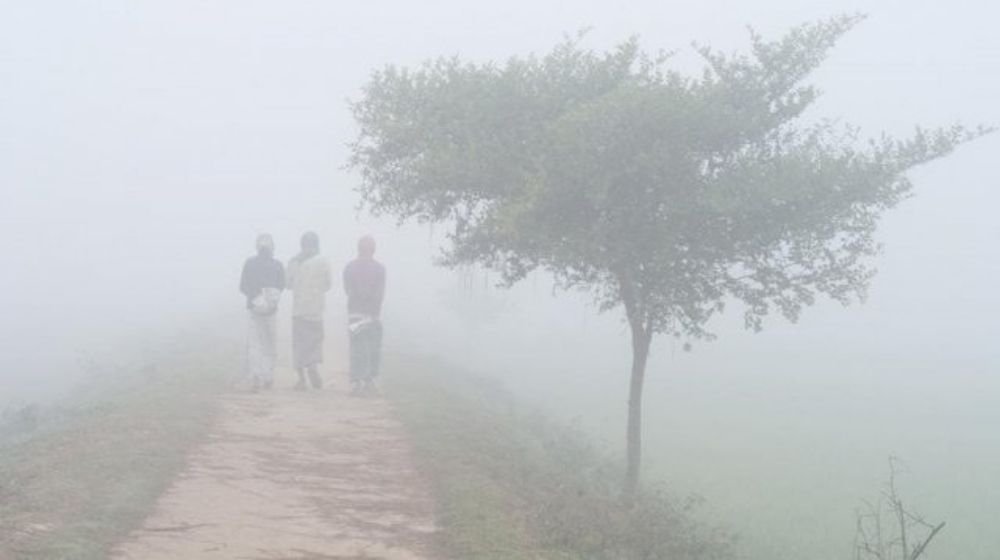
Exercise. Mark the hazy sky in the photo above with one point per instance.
(144, 144)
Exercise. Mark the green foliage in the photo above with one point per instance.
(666, 193)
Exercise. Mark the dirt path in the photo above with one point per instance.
(284, 474)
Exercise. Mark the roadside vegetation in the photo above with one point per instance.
(76, 478)
(511, 484)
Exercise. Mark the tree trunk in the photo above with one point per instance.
(641, 338)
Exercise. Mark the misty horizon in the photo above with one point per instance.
(143, 148)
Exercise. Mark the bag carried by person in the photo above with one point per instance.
(357, 322)
(266, 302)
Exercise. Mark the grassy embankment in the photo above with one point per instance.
(510, 484)
(76, 478)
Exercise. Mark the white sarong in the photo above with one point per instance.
(262, 347)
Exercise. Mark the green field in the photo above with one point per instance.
(785, 457)
(512, 484)
(533, 478)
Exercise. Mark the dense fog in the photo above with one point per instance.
(144, 145)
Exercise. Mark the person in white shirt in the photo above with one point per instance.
(309, 279)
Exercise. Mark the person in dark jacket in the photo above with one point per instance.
(262, 282)
(364, 283)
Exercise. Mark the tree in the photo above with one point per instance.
(889, 530)
(660, 194)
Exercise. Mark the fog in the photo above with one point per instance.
(144, 145)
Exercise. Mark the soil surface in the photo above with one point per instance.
(286, 474)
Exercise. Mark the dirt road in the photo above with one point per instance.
(284, 474)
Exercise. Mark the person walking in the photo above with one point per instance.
(262, 281)
(364, 283)
(309, 279)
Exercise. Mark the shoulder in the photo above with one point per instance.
(315, 264)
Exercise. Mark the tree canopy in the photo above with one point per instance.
(661, 193)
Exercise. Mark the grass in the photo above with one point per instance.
(510, 484)
(89, 472)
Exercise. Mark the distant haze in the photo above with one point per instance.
(144, 145)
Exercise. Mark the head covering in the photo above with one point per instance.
(310, 240)
(265, 243)
(310, 246)
(366, 246)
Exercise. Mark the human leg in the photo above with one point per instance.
(354, 359)
(314, 376)
(307, 346)
(375, 350)
(256, 349)
(372, 354)
(270, 349)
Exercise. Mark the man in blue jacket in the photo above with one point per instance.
(262, 281)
